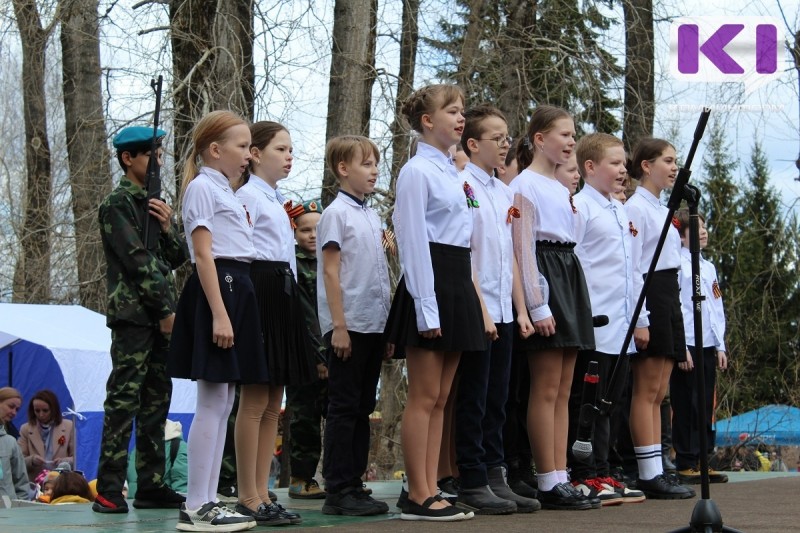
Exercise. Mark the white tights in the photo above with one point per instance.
(207, 440)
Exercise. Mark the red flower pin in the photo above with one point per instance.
(513, 212)
(61, 440)
(633, 230)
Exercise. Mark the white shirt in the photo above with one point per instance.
(553, 208)
(647, 216)
(713, 314)
(273, 236)
(363, 273)
(492, 248)
(603, 245)
(210, 202)
(430, 206)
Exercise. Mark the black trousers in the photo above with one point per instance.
(597, 463)
(516, 445)
(480, 408)
(351, 399)
(621, 454)
(686, 418)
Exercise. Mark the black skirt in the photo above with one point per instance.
(193, 355)
(460, 315)
(569, 300)
(290, 356)
(667, 337)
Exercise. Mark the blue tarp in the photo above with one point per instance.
(777, 425)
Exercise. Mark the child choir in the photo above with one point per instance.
(488, 261)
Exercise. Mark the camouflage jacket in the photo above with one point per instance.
(307, 281)
(141, 287)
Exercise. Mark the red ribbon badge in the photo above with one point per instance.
(633, 230)
(513, 212)
(61, 440)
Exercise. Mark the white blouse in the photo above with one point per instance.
(209, 202)
(430, 206)
(713, 313)
(273, 236)
(647, 216)
(552, 203)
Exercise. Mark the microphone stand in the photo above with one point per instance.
(706, 517)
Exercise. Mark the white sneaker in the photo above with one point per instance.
(212, 516)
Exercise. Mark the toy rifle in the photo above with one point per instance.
(152, 181)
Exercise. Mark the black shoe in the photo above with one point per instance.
(563, 497)
(449, 487)
(483, 501)
(414, 511)
(351, 501)
(673, 479)
(230, 492)
(293, 517)
(499, 485)
(264, 515)
(162, 497)
(668, 465)
(662, 487)
(523, 489)
(110, 502)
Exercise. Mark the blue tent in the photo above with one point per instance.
(66, 348)
(777, 425)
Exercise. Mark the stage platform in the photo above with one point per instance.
(752, 502)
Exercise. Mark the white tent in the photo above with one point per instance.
(66, 348)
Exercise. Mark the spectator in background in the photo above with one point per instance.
(46, 440)
(13, 476)
(71, 487)
(177, 463)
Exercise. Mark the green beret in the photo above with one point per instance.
(136, 136)
(312, 206)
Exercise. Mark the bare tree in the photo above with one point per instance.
(639, 100)
(352, 75)
(32, 273)
(90, 175)
(514, 96)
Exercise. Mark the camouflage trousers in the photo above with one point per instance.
(307, 404)
(138, 388)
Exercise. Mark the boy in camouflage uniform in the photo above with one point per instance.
(141, 311)
(307, 403)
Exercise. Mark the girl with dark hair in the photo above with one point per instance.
(46, 440)
(289, 353)
(71, 487)
(659, 334)
(544, 243)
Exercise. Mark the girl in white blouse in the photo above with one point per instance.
(544, 241)
(216, 339)
(659, 335)
(436, 313)
(287, 344)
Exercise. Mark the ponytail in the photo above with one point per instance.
(189, 171)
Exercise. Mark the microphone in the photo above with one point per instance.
(582, 447)
(598, 321)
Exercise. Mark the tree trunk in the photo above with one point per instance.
(352, 75)
(32, 274)
(515, 91)
(470, 48)
(212, 64)
(639, 106)
(90, 175)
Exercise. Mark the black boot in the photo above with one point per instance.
(483, 501)
(499, 485)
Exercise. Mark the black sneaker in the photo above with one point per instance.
(351, 501)
(563, 497)
(449, 487)
(212, 517)
(264, 515)
(662, 488)
(162, 497)
(110, 502)
(674, 480)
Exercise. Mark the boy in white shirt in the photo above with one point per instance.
(603, 245)
(686, 419)
(353, 295)
(484, 375)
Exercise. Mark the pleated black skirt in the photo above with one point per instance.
(290, 356)
(460, 316)
(667, 336)
(569, 300)
(193, 355)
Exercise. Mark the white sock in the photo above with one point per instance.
(547, 481)
(562, 476)
(649, 460)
